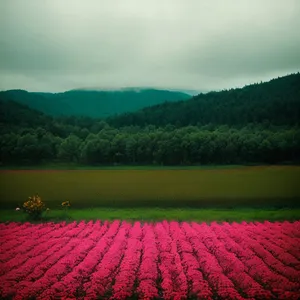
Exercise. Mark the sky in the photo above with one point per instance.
(58, 45)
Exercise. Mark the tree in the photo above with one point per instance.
(70, 149)
(96, 151)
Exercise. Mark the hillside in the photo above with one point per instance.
(14, 114)
(94, 104)
(256, 124)
(275, 102)
(31, 137)
(35, 101)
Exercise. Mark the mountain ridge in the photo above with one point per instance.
(92, 103)
(277, 100)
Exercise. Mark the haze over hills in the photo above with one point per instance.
(93, 103)
(139, 89)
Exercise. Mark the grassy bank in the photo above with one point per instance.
(159, 214)
(275, 186)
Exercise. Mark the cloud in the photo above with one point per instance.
(55, 45)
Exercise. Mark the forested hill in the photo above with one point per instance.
(29, 136)
(14, 114)
(93, 103)
(274, 102)
(233, 133)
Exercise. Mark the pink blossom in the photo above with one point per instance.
(168, 260)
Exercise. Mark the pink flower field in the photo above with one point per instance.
(164, 260)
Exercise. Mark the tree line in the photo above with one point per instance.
(160, 146)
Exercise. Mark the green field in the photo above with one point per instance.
(260, 186)
(158, 214)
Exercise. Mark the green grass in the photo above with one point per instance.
(266, 186)
(159, 214)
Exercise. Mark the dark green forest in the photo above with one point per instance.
(255, 124)
(276, 102)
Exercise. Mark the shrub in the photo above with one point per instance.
(34, 207)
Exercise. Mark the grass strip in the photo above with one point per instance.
(158, 214)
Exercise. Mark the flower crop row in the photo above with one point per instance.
(167, 260)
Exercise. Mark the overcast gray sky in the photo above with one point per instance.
(57, 45)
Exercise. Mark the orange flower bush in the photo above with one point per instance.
(34, 206)
(66, 204)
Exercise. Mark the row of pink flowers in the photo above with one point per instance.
(125, 278)
(174, 282)
(101, 279)
(148, 270)
(198, 286)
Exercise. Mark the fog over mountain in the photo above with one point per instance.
(55, 46)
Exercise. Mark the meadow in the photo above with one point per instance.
(231, 187)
